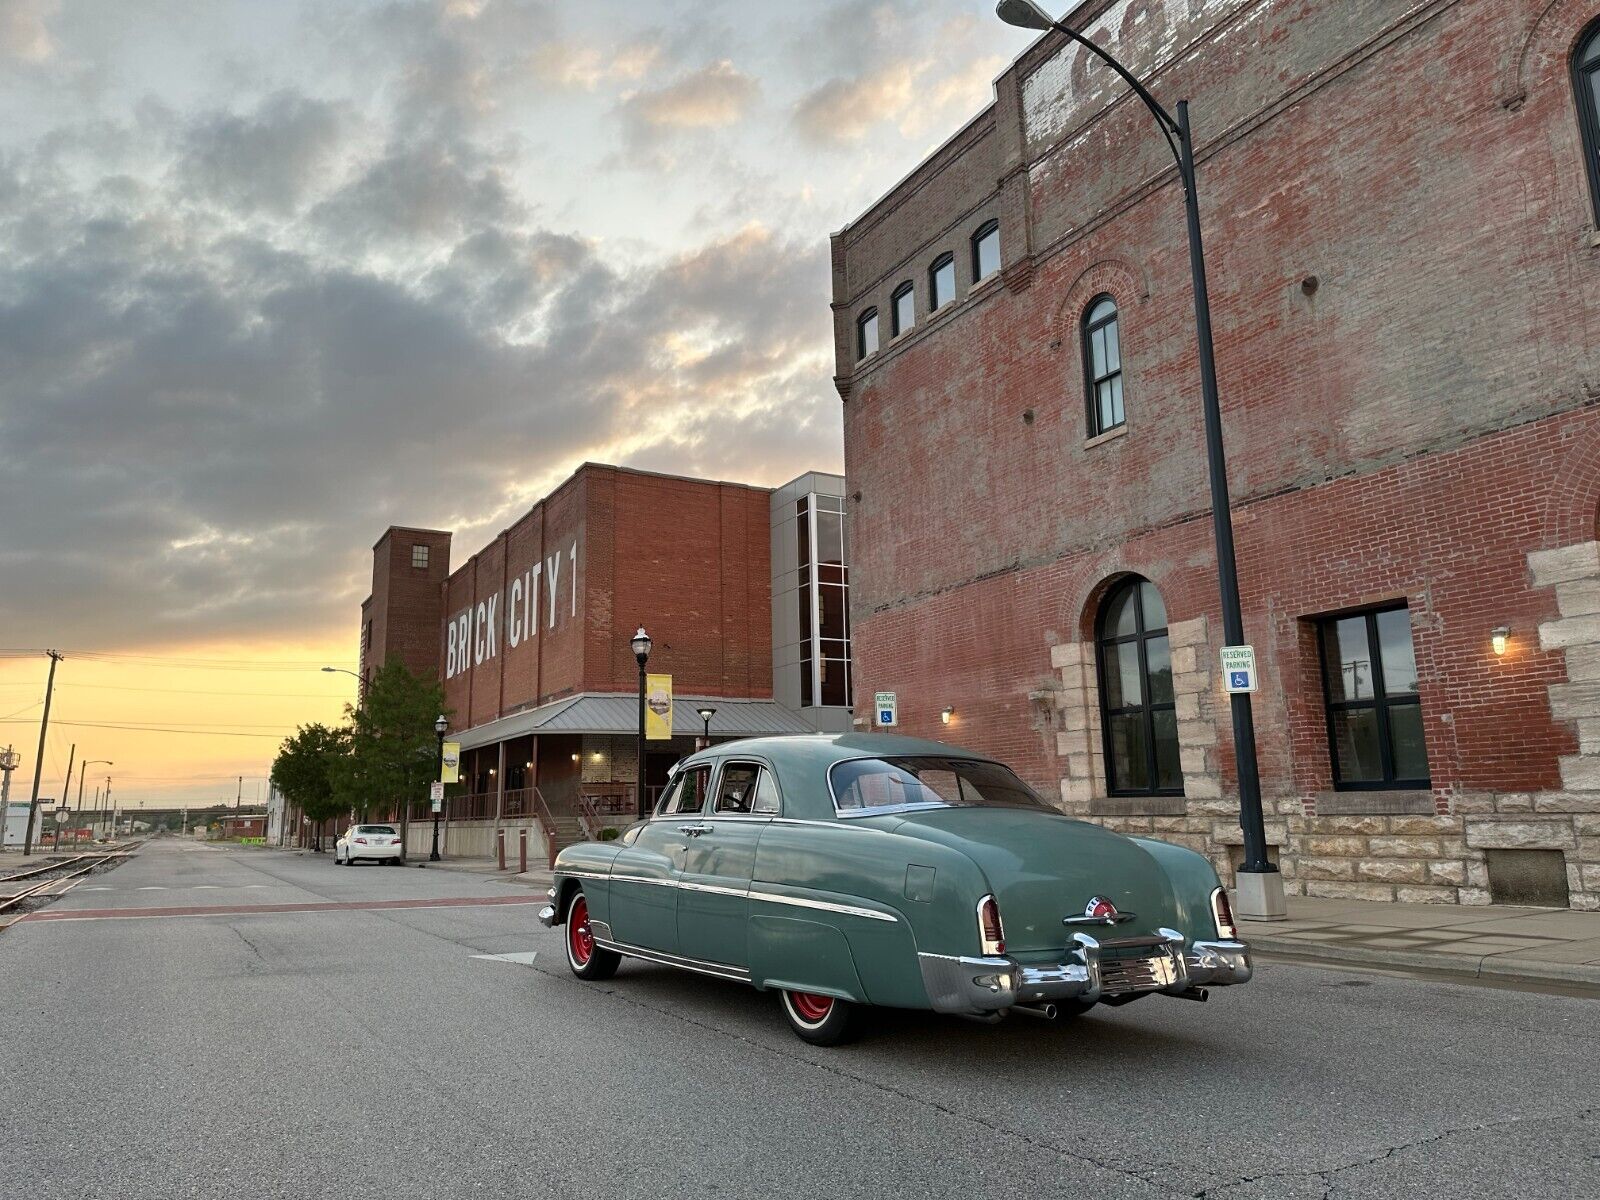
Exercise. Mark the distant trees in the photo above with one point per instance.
(382, 757)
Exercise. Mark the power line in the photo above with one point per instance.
(130, 728)
(175, 662)
(128, 687)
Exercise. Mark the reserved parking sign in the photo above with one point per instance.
(1239, 668)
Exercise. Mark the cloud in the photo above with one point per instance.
(711, 97)
(24, 29)
(570, 65)
(266, 160)
(841, 111)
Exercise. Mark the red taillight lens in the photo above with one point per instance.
(991, 933)
(361, 841)
(1222, 912)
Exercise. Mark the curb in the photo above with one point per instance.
(1489, 966)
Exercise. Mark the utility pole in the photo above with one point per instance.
(239, 798)
(38, 766)
(111, 812)
(66, 792)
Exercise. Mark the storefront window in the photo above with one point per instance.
(1369, 672)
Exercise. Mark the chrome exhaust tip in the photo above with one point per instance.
(1045, 1012)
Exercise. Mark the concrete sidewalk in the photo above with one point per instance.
(1542, 945)
(535, 877)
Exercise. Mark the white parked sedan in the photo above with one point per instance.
(375, 843)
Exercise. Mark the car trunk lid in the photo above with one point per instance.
(1045, 867)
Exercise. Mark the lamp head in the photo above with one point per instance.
(440, 724)
(1024, 14)
(946, 713)
(641, 644)
(1498, 638)
(706, 713)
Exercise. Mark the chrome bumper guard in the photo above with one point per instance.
(547, 914)
(1095, 970)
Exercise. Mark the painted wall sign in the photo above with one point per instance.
(475, 634)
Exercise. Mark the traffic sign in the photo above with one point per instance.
(436, 794)
(1239, 669)
(886, 708)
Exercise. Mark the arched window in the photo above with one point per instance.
(1139, 719)
(867, 333)
(941, 282)
(985, 251)
(1586, 79)
(903, 312)
(1102, 364)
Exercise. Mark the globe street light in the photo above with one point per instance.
(641, 652)
(440, 724)
(1260, 886)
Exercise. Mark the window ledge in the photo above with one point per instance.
(1392, 802)
(1138, 806)
(1109, 435)
(988, 283)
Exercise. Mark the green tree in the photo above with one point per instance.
(394, 752)
(306, 769)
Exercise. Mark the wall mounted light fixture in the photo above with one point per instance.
(1497, 638)
(946, 713)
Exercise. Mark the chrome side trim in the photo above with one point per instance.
(719, 970)
(600, 929)
(578, 873)
(718, 889)
(850, 910)
(642, 879)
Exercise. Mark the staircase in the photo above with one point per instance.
(562, 828)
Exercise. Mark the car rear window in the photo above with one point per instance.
(389, 829)
(878, 784)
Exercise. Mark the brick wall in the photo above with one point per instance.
(404, 605)
(1406, 315)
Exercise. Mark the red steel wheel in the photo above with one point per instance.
(811, 1007)
(580, 938)
(587, 959)
(820, 1020)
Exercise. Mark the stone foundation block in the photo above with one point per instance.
(1586, 901)
(1513, 802)
(1569, 631)
(1210, 806)
(1520, 835)
(1588, 826)
(1404, 847)
(1567, 802)
(1572, 701)
(1473, 895)
(1333, 890)
(1423, 825)
(1580, 773)
(1187, 708)
(1335, 847)
(1391, 870)
(1448, 874)
(1325, 868)
(1192, 760)
(1478, 874)
(1187, 633)
(1203, 787)
(1425, 895)
(1589, 873)
(1578, 598)
(1583, 663)
(1472, 802)
(1581, 560)
(1348, 825)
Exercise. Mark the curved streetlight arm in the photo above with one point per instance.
(1168, 123)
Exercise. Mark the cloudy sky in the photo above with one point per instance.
(274, 275)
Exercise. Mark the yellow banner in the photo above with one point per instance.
(658, 708)
(450, 769)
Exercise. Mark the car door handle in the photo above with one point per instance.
(694, 830)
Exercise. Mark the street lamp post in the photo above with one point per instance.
(641, 652)
(440, 724)
(1260, 886)
(706, 713)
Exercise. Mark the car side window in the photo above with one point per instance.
(746, 789)
(688, 794)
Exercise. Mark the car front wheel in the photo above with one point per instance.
(587, 960)
(821, 1020)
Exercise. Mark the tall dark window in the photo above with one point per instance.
(1102, 362)
(986, 251)
(1369, 676)
(941, 282)
(1139, 719)
(903, 314)
(824, 602)
(867, 333)
(1586, 79)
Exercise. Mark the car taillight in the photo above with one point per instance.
(361, 841)
(1222, 913)
(991, 934)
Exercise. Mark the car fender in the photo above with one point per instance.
(586, 865)
(1193, 880)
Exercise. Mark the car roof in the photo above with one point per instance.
(825, 749)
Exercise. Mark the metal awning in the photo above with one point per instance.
(619, 714)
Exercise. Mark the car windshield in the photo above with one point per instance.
(875, 784)
(389, 829)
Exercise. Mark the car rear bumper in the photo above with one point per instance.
(372, 852)
(1095, 970)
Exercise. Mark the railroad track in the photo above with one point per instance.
(66, 871)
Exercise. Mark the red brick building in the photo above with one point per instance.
(1399, 204)
(531, 638)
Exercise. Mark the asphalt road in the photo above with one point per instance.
(366, 1052)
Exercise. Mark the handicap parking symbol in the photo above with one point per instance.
(1239, 679)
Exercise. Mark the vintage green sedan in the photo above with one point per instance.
(853, 870)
